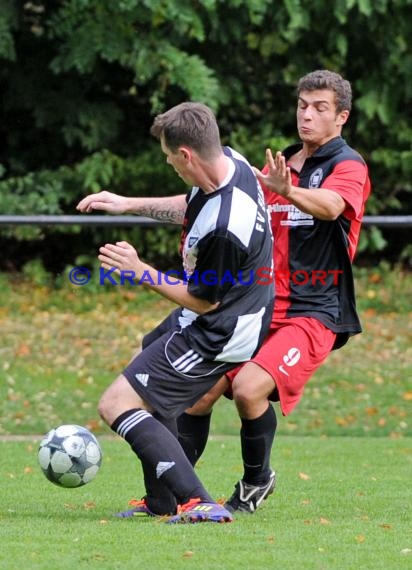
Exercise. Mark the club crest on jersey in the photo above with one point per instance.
(316, 178)
(192, 241)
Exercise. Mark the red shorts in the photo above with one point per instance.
(292, 351)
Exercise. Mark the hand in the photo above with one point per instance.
(106, 201)
(121, 256)
(278, 177)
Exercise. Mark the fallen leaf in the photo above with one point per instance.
(360, 538)
(23, 350)
(304, 476)
(322, 520)
(375, 278)
(187, 554)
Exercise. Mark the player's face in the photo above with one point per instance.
(317, 119)
(179, 161)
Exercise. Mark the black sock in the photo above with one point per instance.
(193, 434)
(257, 438)
(159, 450)
(159, 499)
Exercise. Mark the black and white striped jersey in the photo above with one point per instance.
(226, 237)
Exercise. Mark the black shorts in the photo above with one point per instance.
(168, 374)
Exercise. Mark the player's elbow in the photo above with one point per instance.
(334, 208)
(206, 307)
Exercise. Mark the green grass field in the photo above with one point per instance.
(340, 503)
(344, 457)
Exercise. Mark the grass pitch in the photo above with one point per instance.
(340, 504)
(344, 457)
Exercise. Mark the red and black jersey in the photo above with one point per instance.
(312, 257)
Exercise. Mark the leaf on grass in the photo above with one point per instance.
(304, 476)
(103, 521)
(93, 425)
(360, 538)
(371, 411)
(386, 526)
(370, 312)
(23, 350)
(28, 470)
(345, 421)
(322, 520)
(187, 554)
(375, 278)
(407, 396)
(13, 396)
(271, 539)
(89, 505)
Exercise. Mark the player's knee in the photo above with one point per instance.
(252, 387)
(103, 408)
(243, 395)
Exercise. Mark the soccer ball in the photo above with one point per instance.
(70, 456)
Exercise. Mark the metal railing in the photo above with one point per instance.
(397, 222)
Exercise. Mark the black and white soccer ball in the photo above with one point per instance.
(70, 456)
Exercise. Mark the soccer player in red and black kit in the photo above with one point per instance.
(316, 192)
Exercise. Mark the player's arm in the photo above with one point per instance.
(324, 204)
(166, 209)
(124, 258)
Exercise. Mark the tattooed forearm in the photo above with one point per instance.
(172, 214)
(167, 209)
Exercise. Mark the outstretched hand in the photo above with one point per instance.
(278, 177)
(105, 201)
(122, 256)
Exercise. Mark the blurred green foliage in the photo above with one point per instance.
(81, 81)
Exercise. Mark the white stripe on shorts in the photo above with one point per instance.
(187, 361)
(183, 357)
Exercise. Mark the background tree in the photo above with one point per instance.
(82, 79)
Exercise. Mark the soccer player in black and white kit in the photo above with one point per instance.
(223, 313)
